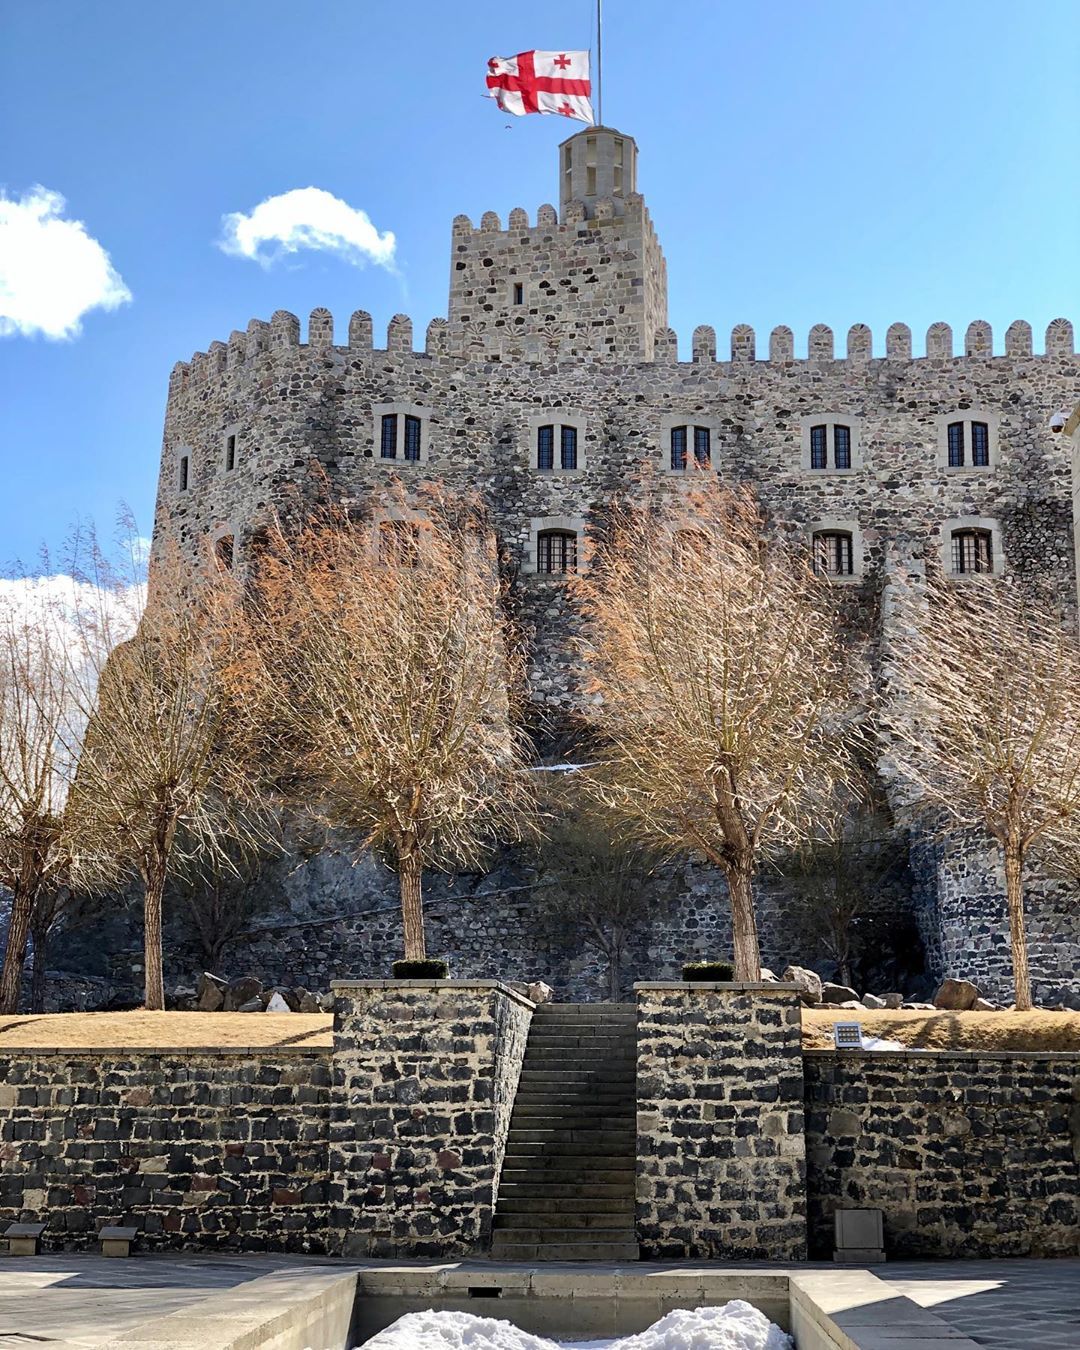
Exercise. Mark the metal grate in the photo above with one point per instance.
(972, 551)
(833, 553)
(556, 551)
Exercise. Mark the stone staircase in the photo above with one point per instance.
(567, 1188)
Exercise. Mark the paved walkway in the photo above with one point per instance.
(1003, 1305)
(77, 1301)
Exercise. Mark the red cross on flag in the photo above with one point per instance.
(542, 82)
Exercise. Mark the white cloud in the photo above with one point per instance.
(306, 218)
(51, 271)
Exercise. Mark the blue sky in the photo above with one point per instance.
(804, 162)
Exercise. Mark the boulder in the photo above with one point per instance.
(277, 1004)
(252, 1005)
(309, 1003)
(838, 993)
(872, 1001)
(809, 979)
(539, 992)
(921, 1007)
(210, 993)
(893, 1000)
(956, 995)
(767, 976)
(291, 996)
(851, 1004)
(983, 1005)
(241, 991)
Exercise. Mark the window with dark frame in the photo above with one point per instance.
(545, 447)
(230, 453)
(678, 447)
(412, 438)
(556, 551)
(702, 445)
(185, 472)
(980, 444)
(568, 448)
(519, 293)
(972, 551)
(842, 447)
(956, 445)
(388, 441)
(818, 447)
(833, 553)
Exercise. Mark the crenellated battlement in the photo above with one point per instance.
(282, 334)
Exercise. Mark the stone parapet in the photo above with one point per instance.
(424, 1077)
(721, 1168)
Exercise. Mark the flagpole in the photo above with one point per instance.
(599, 63)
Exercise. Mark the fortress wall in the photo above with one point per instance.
(969, 1154)
(197, 1148)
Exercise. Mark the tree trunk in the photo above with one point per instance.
(153, 891)
(22, 904)
(1014, 895)
(40, 932)
(410, 871)
(743, 921)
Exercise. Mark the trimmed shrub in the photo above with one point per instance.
(709, 971)
(421, 970)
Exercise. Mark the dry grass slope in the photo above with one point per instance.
(951, 1030)
(143, 1030)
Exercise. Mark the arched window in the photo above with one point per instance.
(225, 551)
(556, 551)
(681, 441)
(833, 553)
(689, 546)
(399, 543)
(972, 551)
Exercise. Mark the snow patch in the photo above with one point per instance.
(734, 1326)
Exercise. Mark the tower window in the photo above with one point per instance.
(972, 551)
(230, 453)
(184, 472)
(388, 442)
(833, 554)
(556, 551)
(519, 293)
(568, 448)
(678, 447)
(842, 447)
(980, 444)
(819, 456)
(830, 444)
(702, 446)
(545, 447)
(412, 438)
(956, 445)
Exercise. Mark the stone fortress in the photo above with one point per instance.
(553, 385)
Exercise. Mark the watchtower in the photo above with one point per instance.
(588, 282)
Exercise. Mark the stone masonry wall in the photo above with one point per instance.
(424, 1076)
(721, 1170)
(968, 1154)
(196, 1149)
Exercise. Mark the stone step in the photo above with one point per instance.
(562, 1250)
(568, 1205)
(596, 1140)
(566, 1181)
(583, 1115)
(536, 1080)
(559, 1009)
(585, 1094)
(534, 1221)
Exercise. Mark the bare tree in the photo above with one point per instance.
(219, 890)
(605, 885)
(166, 769)
(39, 731)
(984, 710)
(396, 681)
(724, 696)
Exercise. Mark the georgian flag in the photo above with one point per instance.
(542, 82)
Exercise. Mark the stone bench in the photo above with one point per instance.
(23, 1238)
(116, 1241)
